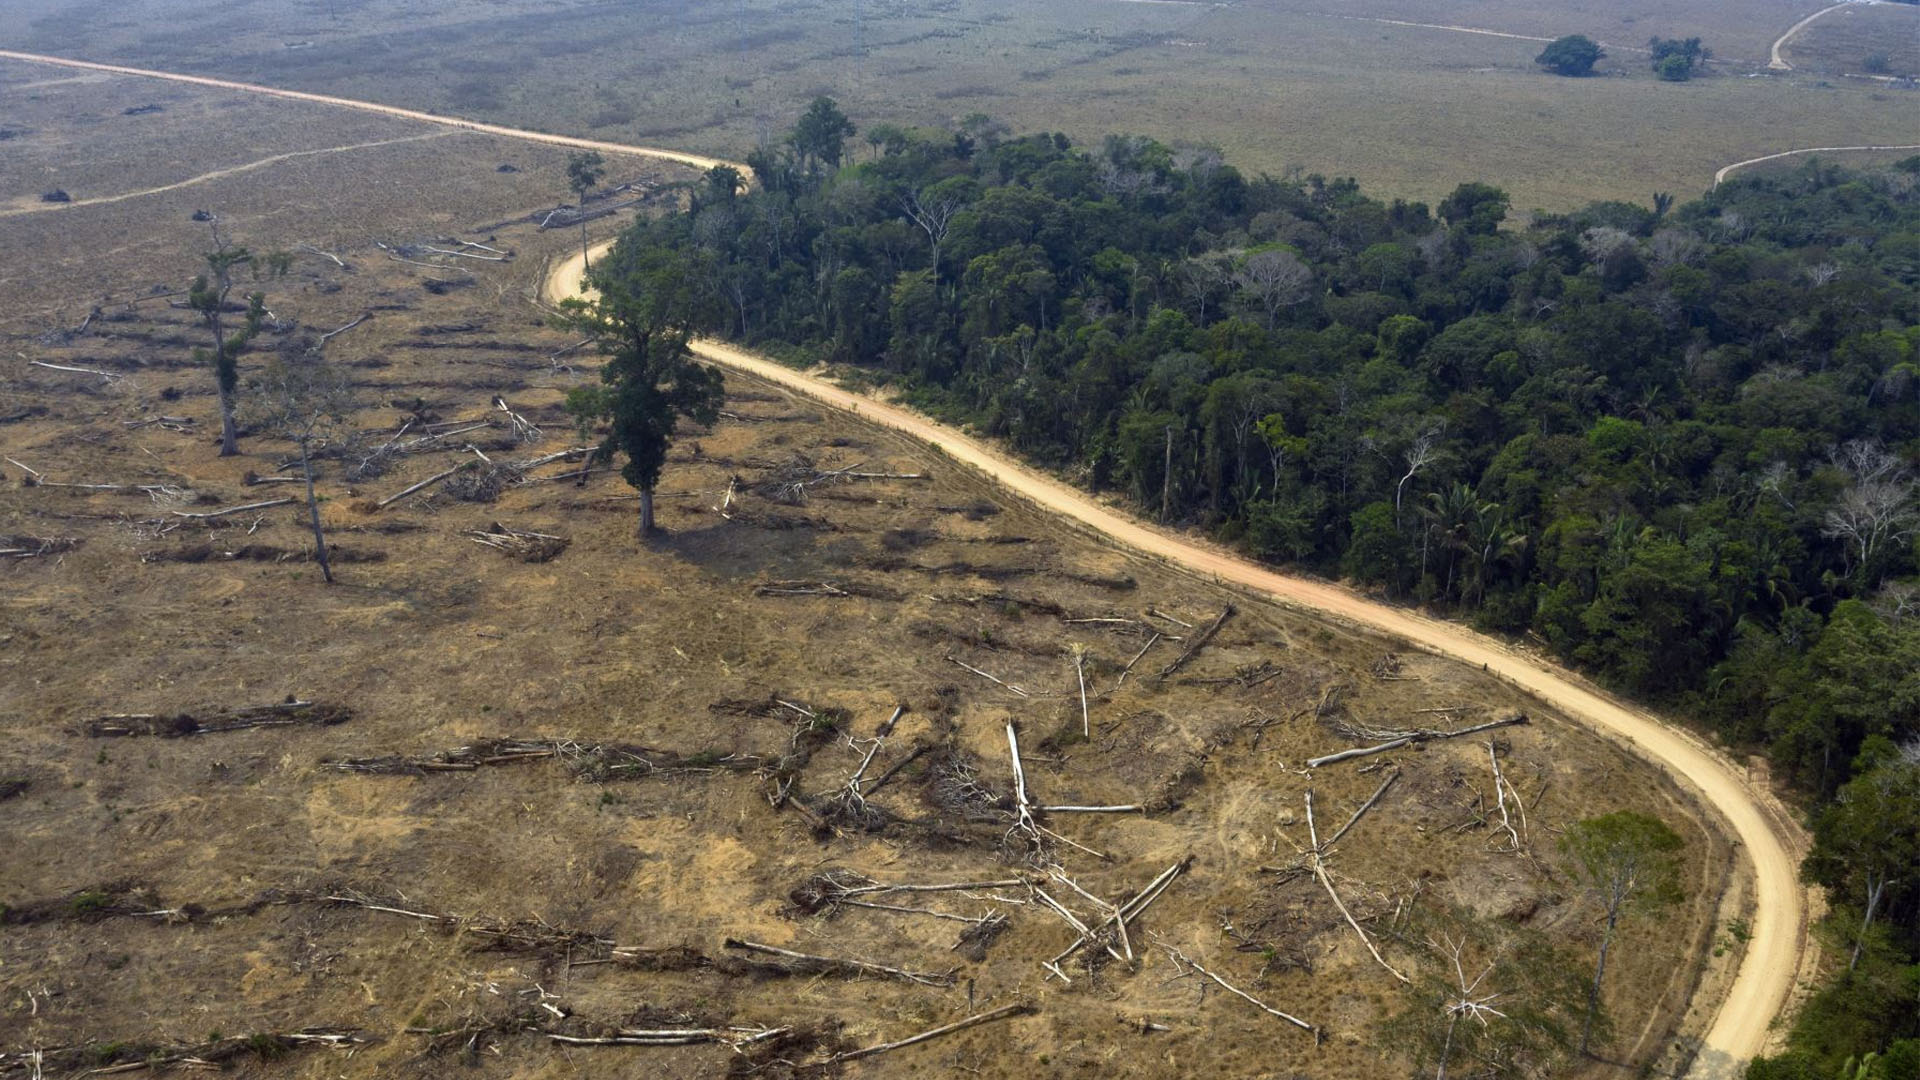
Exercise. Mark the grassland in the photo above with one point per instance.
(1410, 111)
(435, 642)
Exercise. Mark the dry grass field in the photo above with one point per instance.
(654, 729)
(1410, 110)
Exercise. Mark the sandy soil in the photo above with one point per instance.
(1757, 994)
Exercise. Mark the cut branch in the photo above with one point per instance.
(1179, 957)
(428, 482)
(1017, 691)
(331, 334)
(1317, 862)
(233, 509)
(1001, 1013)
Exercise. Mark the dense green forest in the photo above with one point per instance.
(1674, 444)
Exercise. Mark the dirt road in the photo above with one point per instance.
(695, 160)
(38, 207)
(1767, 971)
(1727, 169)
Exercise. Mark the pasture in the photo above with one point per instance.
(1410, 110)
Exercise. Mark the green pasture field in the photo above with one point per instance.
(1409, 110)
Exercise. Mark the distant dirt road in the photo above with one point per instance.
(1767, 971)
(1722, 173)
(231, 170)
(695, 160)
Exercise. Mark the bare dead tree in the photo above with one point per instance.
(1877, 511)
(932, 209)
(1422, 450)
(1464, 1000)
(1276, 278)
(301, 396)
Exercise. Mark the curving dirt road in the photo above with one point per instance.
(1767, 971)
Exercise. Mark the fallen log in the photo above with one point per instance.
(108, 375)
(231, 510)
(1414, 737)
(331, 334)
(282, 714)
(808, 963)
(1001, 1013)
(1364, 807)
(429, 481)
(1199, 642)
(1317, 862)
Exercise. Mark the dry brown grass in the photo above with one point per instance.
(439, 642)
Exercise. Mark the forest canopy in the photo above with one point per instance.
(1671, 443)
(1675, 445)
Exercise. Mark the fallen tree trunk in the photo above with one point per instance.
(1414, 737)
(283, 714)
(807, 963)
(1001, 1013)
(1199, 642)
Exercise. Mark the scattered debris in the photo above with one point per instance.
(289, 713)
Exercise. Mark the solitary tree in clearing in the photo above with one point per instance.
(584, 171)
(1626, 859)
(208, 296)
(301, 396)
(641, 315)
(1572, 56)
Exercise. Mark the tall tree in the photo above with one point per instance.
(647, 298)
(1866, 846)
(208, 296)
(584, 171)
(821, 135)
(1626, 859)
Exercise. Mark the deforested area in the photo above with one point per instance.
(859, 766)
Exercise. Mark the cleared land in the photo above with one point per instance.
(680, 652)
(1410, 111)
